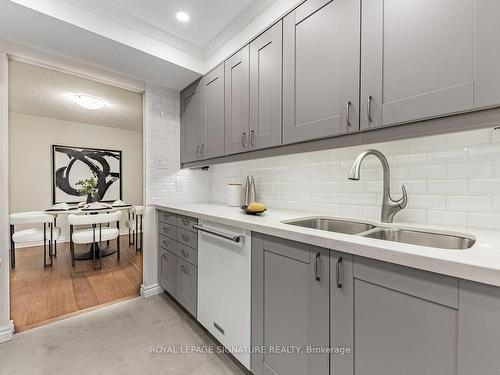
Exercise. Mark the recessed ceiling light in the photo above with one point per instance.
(182, 16)
(89, 102)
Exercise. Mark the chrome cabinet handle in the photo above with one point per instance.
(348, 119)
(197, 151)
(339, 273)
(243, 139)
(184, 269)
(185, 221)
(370, 119)
(185, 253)
(252, 138)
(202, 150)
(184, 237)
(218, 234)
(317, 266)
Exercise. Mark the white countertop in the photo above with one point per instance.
(480, 263)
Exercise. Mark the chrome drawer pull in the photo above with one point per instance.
(184, 237)
(184, 269)
(185, 253)
(185, 221)
(218, 234)
(317, 265)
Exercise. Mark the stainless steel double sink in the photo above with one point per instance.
(408, 236)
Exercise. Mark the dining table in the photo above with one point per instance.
(74, 209)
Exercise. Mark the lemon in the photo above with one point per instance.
(256, 207)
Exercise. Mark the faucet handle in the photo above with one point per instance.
(404, 200)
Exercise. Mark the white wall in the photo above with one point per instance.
(452, 179)
(31, 140)
(164, 185)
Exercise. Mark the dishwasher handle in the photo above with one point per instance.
(229, 237)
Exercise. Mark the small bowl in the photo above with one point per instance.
(245, 209)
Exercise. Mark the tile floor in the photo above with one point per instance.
(115, 340)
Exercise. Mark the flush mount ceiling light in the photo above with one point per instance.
(182, 16)
(89, 102)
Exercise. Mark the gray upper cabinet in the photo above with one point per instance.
(192, 127)
(487, 85)
(290, 305)
(213, 113)
(265, 89)
(417, 59)
(321, 57)
(237, 118)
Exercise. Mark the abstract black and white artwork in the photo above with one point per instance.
(72, 164)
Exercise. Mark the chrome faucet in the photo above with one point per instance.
(390, 207)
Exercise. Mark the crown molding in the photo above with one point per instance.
(124, 19)
(247, 15)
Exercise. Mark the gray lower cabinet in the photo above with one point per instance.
(167, 270)
(237, 117)
(187, 285)
(321, 59)
(213, 113)
(479, 339)
(405, 321)
(266, 89)
(290, 306)
(192, 127)
(178, 258)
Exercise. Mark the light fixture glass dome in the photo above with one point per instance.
(89, 102)
(182, 16)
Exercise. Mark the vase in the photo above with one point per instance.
(91, 198)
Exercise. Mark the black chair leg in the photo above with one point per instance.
(55, 242)
(45, 245)
(118, 241)
(12, 248)
(71, 245)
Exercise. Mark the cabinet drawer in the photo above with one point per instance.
(168, 230)
(187, 253)
(167, 217)
(422, 284)
(186, 222)
(167, 243)
(187, 238)
(187, 285)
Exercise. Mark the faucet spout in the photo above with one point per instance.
(390, 207)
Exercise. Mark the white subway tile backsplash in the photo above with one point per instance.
(447, 187)
(469, 203)
(452, 179)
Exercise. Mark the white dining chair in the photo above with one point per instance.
(41, 229)
(135, 226)
(99, 231)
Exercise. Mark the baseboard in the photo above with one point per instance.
(6, 332)
(151, 290)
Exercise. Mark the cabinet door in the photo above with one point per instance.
(237, 119)
(265, 88)
(167, 270)
(405, 320)
(186, 288)
(321, 43)
(192, 126)
(487, 85)
(479, 340)
(341, 313)
(213, 113)
(417, 60)
(290, 306)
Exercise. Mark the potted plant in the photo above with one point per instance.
(89, 187)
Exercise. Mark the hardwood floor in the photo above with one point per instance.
(40, 295)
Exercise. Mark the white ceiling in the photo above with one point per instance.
(36, 90)
(208, 17)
